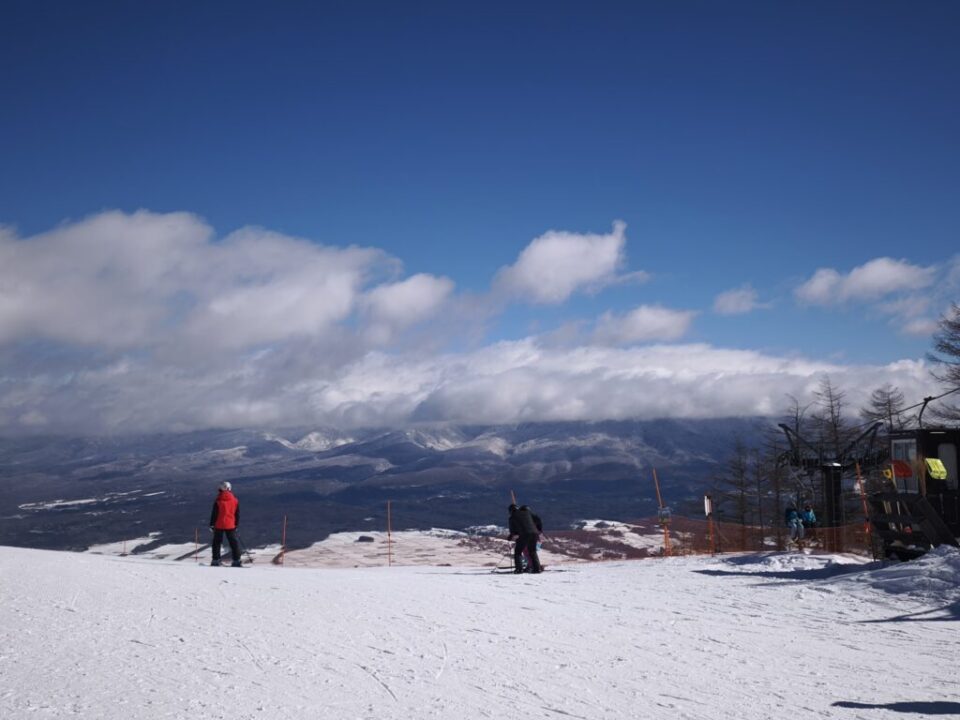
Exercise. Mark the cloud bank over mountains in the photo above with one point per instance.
(145, 321)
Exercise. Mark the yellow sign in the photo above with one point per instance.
(936, 469)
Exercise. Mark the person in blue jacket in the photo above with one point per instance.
(808, 517)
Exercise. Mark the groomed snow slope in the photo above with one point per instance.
(754, 637)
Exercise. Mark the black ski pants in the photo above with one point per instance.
(528, 542)
(218, 543)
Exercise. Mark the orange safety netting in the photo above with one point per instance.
(686, 536)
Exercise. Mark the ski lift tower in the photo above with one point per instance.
(813, 459)
(663, 515)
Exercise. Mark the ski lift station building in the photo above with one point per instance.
(925, 461)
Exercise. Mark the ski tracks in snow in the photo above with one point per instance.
(683, 638)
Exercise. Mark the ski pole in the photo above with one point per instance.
(505, 556)
(243, 548)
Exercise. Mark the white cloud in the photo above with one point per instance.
(261, 287)
(102, 281)
(910, 306)
(872, 280)
(907, 294)
(145, 280)
(517, 382)
(144, 322)
(399, 305)
(505, 382)
(952, 279)
(736, 302)
(920, 327)
(557, 264)
(643, 324)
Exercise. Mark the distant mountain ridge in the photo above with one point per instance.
(328, 479)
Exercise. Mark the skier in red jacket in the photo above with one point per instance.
(225, 519)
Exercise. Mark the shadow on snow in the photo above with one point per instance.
(929, 707)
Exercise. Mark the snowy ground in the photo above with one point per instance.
(369, 549)
(751, 636)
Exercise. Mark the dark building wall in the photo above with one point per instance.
(940, 443)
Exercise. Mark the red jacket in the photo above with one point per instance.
(226, 511)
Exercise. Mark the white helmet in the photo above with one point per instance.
(226, 486)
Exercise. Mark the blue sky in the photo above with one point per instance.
(785, 175)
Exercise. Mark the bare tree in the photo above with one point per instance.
(887, 405)
(772, 454)
(760, 478)
(795, 416)
(833, 431)
(946, 358)
(733, 488)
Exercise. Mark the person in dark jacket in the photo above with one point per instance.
(526, 551)
(526, 526)
(224, 520)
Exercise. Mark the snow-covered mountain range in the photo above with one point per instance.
(75, 492)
